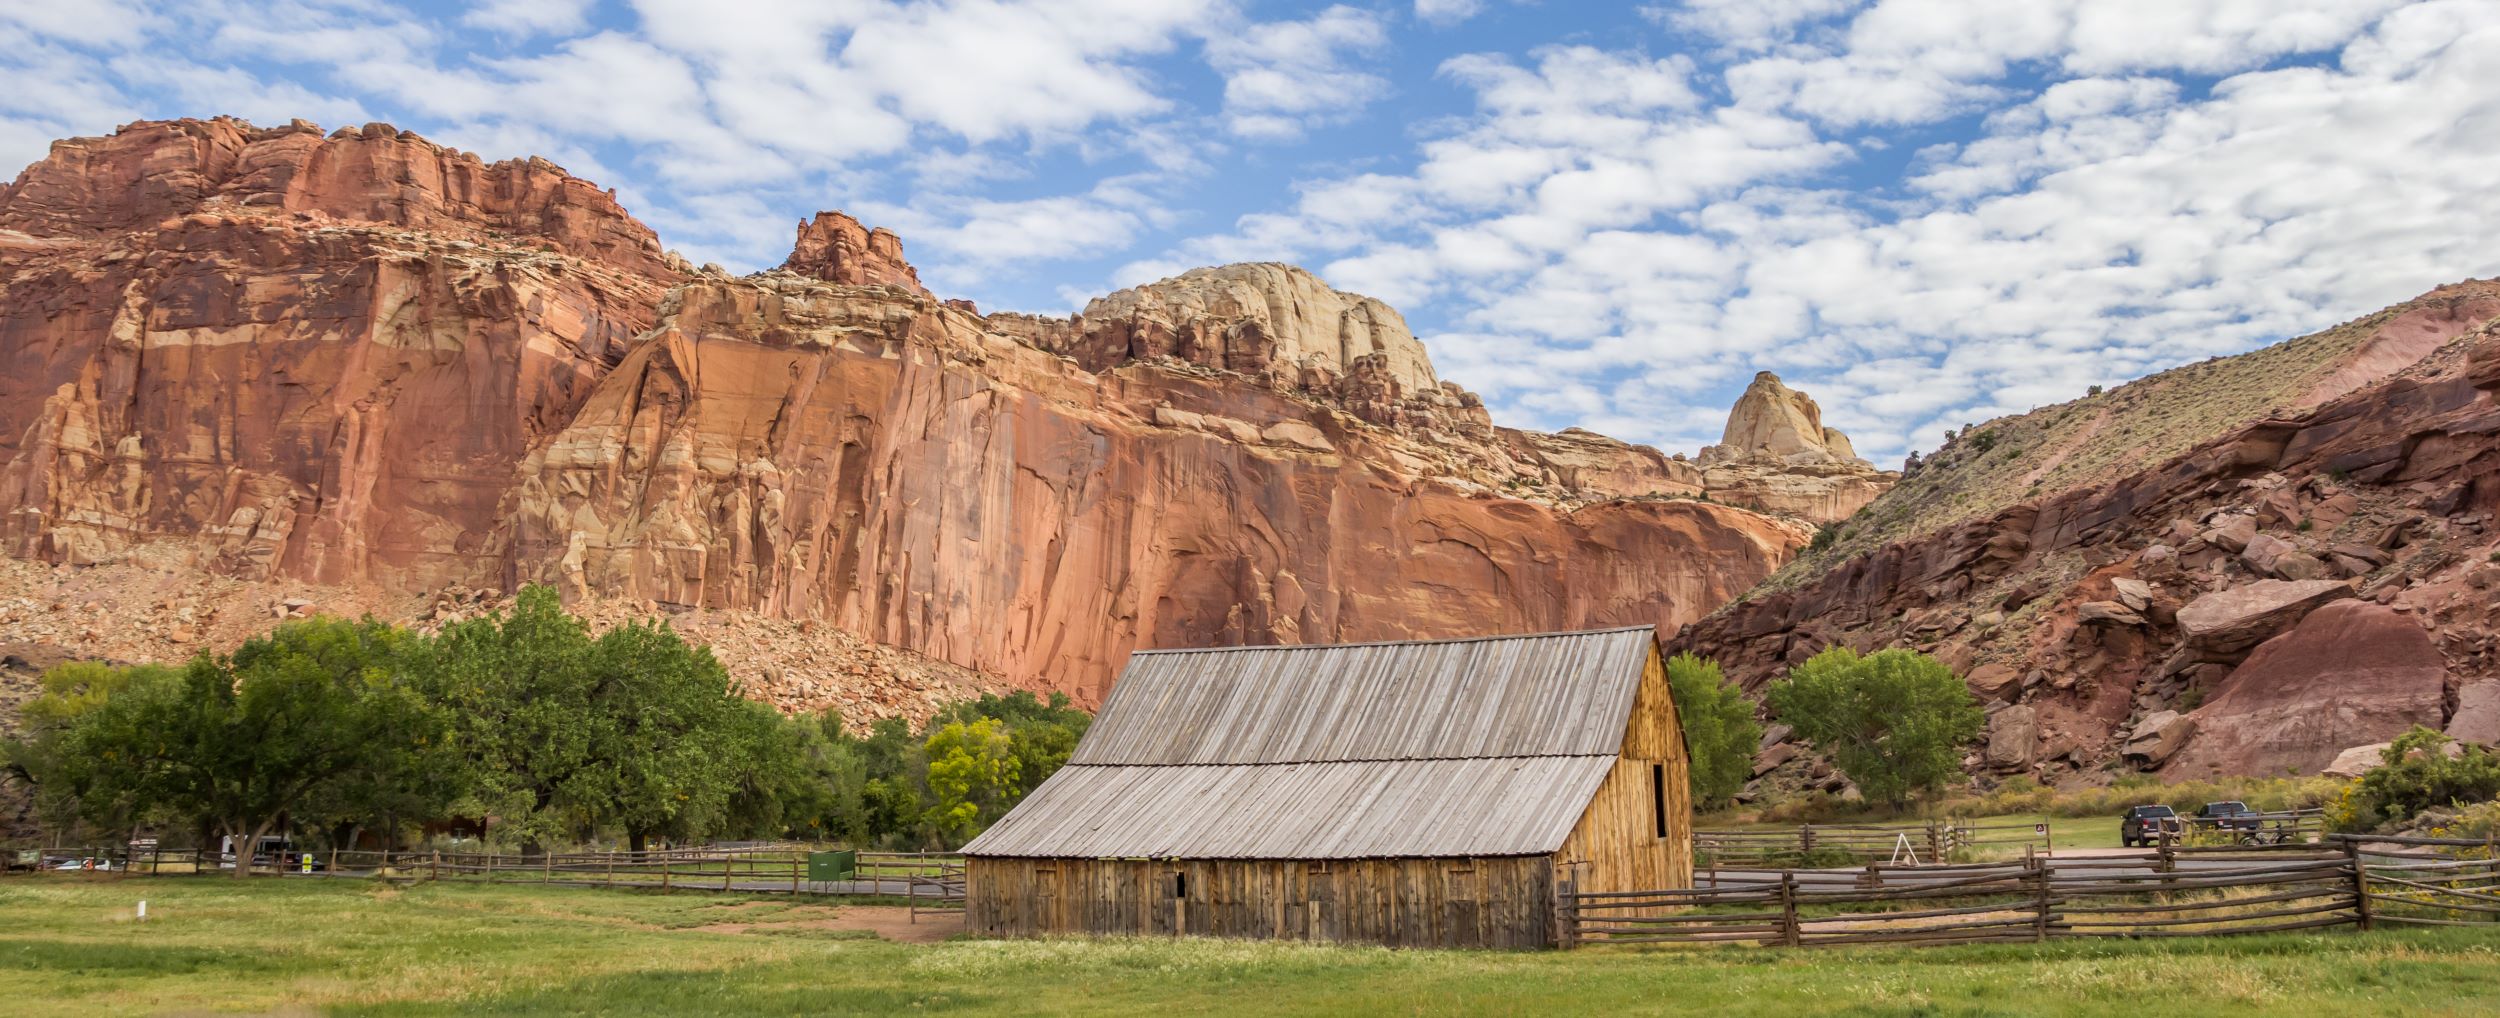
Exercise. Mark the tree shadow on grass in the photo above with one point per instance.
(103, 958)
(813, 989)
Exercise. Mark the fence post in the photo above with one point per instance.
(1805, 839)
(728, 868)
(1935, 842)
(797, 862)
(434, 867)
(1789, 935)
(2039, 877)
(547, 859)
(2360, 883)
(1567, 913)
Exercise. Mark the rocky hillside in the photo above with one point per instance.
(245, 372)
(2247, 566)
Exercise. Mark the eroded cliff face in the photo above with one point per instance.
(2175, 616)
(884, 461)
(366, 362)
(217, 355)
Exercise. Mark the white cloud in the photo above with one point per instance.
(529, 17)
(1281, 77)
(1610, 243)
(1447, 12)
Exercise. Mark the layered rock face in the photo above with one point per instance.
(2321, 575)
(886, 462)
(364, 361)
(224, 351)
(1777, 456)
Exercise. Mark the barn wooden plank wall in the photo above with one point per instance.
(1494, 902)
(1616, 846)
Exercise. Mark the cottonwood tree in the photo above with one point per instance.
(1720, 732)
(669, 733)
(1896, 722)
(517, 687)
(81, 745)
(972, 773)
(302, 714)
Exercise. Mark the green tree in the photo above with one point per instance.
(1720, 732)
(74, 748)
(670, 735)
(518, 688)
(297, 717)
(973, 773)
(1895, 721)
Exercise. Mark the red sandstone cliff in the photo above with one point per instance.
(365, 361)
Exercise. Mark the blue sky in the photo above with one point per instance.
(1923, 212)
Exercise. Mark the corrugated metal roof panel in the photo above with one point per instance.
(1332, 810)
(1554, 694)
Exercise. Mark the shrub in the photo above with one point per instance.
(1720, 732)
(2414, 774)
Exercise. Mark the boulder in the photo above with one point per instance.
(1994, 681)
(1773, 735)
(2235, 619)
(2133, 593)
(1769, 759)
(2158, 736)
(2349, 673)
(2013, 737)
(2300, 565)
(2477, 718)
(2262, 550)
(2107, 613)
(2355, 761)
(2232, 533)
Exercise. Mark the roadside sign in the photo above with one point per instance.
(2039, 828)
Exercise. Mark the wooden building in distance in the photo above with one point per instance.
(1431, 793)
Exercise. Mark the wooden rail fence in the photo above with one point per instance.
(2182, 891)
(930, 880)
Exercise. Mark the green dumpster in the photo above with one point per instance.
(824, 866)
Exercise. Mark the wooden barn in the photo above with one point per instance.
(1432, 793)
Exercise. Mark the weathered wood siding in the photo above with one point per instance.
(1497, 902)
(1616, 845)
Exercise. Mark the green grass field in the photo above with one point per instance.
(348, 947)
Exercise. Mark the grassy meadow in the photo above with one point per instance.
(71, 947)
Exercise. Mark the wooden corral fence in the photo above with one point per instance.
(2028, 900)
(931, 880)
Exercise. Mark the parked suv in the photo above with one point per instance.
(2230, 816)
(2146, 825)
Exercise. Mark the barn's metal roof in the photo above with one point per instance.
(1337, 810)
(1486, 746)
(1553, 694)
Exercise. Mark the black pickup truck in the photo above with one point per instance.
(2148, 825)
(2231, 816)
